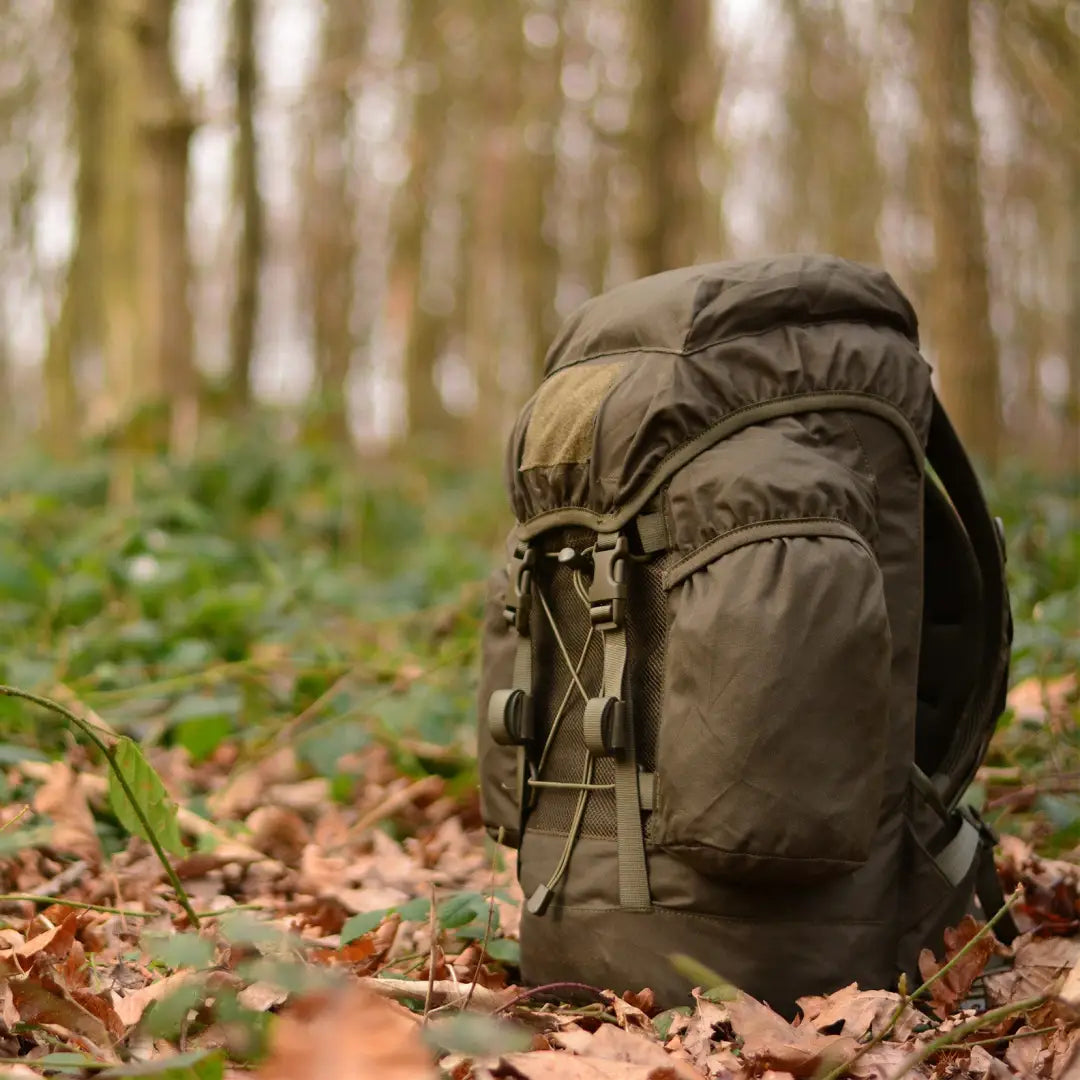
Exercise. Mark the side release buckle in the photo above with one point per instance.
(518, 609)
(607, 593)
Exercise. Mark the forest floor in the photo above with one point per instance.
(277, 658)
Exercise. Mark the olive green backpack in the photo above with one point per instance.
(747, 653)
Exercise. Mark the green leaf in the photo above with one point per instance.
(414, 910)
(194, 1065)
(362, 924)
(504, 950)
(663, 1022)
(473, 1034)
(180, 950)
(165, 1018)
(150, 793)
(461, 909)
(201, 736)
(714, 987)
(70, 1064)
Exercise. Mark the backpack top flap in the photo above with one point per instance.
(643, 378)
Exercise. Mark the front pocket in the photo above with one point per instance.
(774, 730)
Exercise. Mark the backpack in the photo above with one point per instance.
(746, 652)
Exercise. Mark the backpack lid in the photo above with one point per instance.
(646, 376)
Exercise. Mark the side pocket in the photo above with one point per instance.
(775, 705)
(497, 765)
(932, 898)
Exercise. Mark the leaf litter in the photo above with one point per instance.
(318, 953)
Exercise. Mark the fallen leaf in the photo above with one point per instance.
(131, 1007)
(770, 1042)
(1038, 963)
(349, 1035)
(855, 1012)
(947, 993)
(616, 1044)
(62, 798)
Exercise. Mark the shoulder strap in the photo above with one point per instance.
(946, 455)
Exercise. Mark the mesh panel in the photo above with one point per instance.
(646, 639)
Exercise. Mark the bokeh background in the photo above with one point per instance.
(373, 215)
(275, 276)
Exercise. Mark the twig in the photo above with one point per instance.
(443, 992)
(40, 898)
(21, 814)
(549, 988)
(954, 1037)
(433, 930)
(396, 801)
(906, 999)
(89, 731)
(490, 916)
(1014, 1035)
(65, 879)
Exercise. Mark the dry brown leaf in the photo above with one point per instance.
(131, 1007)
(350, 1035)
(947, 993)
(1038, 963)
(63, 798)
(629, 1016)
(280, 833)
(984, 1066)
(262, 996)
(855, 1012)
(553, 1065)
(770, 1042)
(42, 1000)
(1043, 700)
(615, 1044)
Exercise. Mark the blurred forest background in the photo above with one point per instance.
(371, 216)
(275, 276)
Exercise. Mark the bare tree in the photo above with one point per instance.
(673, 115)
(959, 301)
(248, 197)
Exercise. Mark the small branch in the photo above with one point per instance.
(433, 931)
(89, 731)
(21, 814)
(443, 992)
(906, 999)
(548, 988)
(1017, 895)
(1014, 1035)
(40, 898)
(955, 1037)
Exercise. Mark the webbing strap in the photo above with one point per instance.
(630, 838)
(652, 532)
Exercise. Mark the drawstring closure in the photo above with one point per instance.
(541, 897)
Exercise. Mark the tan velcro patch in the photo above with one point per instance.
(560, 428)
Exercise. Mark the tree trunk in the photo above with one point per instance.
(249, 252)
(330, 220)
(834, 198)
(425, 329)
(673, 113)
(534, 190)
(78, 330)
(164, 260)
(959, 307)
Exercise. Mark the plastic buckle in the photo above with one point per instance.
(518, 608)
(511, 717)
(607, 593)
(606, 726)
